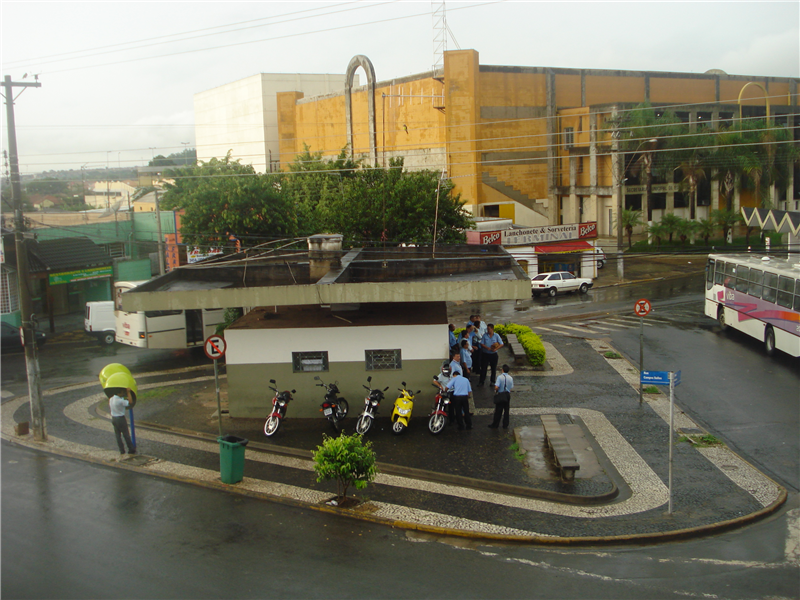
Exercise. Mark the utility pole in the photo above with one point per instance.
(28, 327)
(161, 267)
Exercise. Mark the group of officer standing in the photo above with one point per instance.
(475, 351)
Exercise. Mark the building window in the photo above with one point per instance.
(569, 137)
(307, 362)
(681, 200)
(704, 193)
(383, 360)
(633, 201)
(580, 165)
(658, 201)
(115, 249)
(9, 294)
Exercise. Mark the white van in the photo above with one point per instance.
(99, 321)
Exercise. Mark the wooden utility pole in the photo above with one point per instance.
(28, 325)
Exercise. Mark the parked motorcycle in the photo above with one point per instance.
(401, 415)
(279, 403)
(334, 408)
(371, 403)
(441, 404)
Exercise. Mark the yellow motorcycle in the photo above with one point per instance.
(401, 415)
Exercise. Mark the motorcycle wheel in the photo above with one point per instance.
(436, 423)
(398, 427)
(344, 408)
(363, 424)
(271, 425)
(334, 424)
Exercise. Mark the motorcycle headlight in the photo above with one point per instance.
(403, 411)
(374, 403)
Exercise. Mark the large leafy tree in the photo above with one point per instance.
(223, 198)
(312, 180)
(372, 205)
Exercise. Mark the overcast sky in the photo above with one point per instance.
(118, 78)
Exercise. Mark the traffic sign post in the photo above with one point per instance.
(641, 308)
(215, 348)
(672, 379)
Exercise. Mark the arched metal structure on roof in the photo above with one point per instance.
(362, 61)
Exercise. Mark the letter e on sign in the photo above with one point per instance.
(214, 347)
(642, 307)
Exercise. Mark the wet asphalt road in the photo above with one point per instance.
(76, 530)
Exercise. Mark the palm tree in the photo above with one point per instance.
(725, 220)
(693, 173)
(705, 229)
(685, 228)
(657, 231)
(670, 222)
(643, 130)
(630, 219)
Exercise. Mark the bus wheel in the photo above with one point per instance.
(769, 340)
(721, 318)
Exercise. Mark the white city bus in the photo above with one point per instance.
(759, 296)
(162, 328)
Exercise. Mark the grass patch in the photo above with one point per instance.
(155, 393)
(518, 454)
(701, 441)
(611, 354)
(651, 389)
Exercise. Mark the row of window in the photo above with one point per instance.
(780, 289)
(9, 295)
(375, 360)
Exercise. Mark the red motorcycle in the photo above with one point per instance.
(279, 403)
(441, 403)
(334, 408)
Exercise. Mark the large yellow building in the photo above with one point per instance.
(533, 144)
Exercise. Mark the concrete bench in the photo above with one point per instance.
(516, 348)
(556, 440)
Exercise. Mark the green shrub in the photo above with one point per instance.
(531, 343)
(347, 459)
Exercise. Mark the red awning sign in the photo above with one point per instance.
(564, 247)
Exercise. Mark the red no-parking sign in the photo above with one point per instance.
(214, 347)
(642, 307)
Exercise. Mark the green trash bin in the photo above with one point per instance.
(231, 458)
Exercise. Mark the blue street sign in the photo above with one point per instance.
(654, 377)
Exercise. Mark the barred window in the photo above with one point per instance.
(115, 249)
(383, 360)
(306, 362)
(9, 294)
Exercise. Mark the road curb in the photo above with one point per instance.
(643, 538)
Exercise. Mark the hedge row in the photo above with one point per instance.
(531, 343)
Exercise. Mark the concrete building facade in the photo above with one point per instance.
(241, 117)
(532, 144)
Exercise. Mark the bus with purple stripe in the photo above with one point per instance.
(757, 295)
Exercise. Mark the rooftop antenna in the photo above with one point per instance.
(440, 33)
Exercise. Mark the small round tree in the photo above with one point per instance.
(347, 459)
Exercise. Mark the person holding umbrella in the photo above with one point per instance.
(117, 405)
(120, 387)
